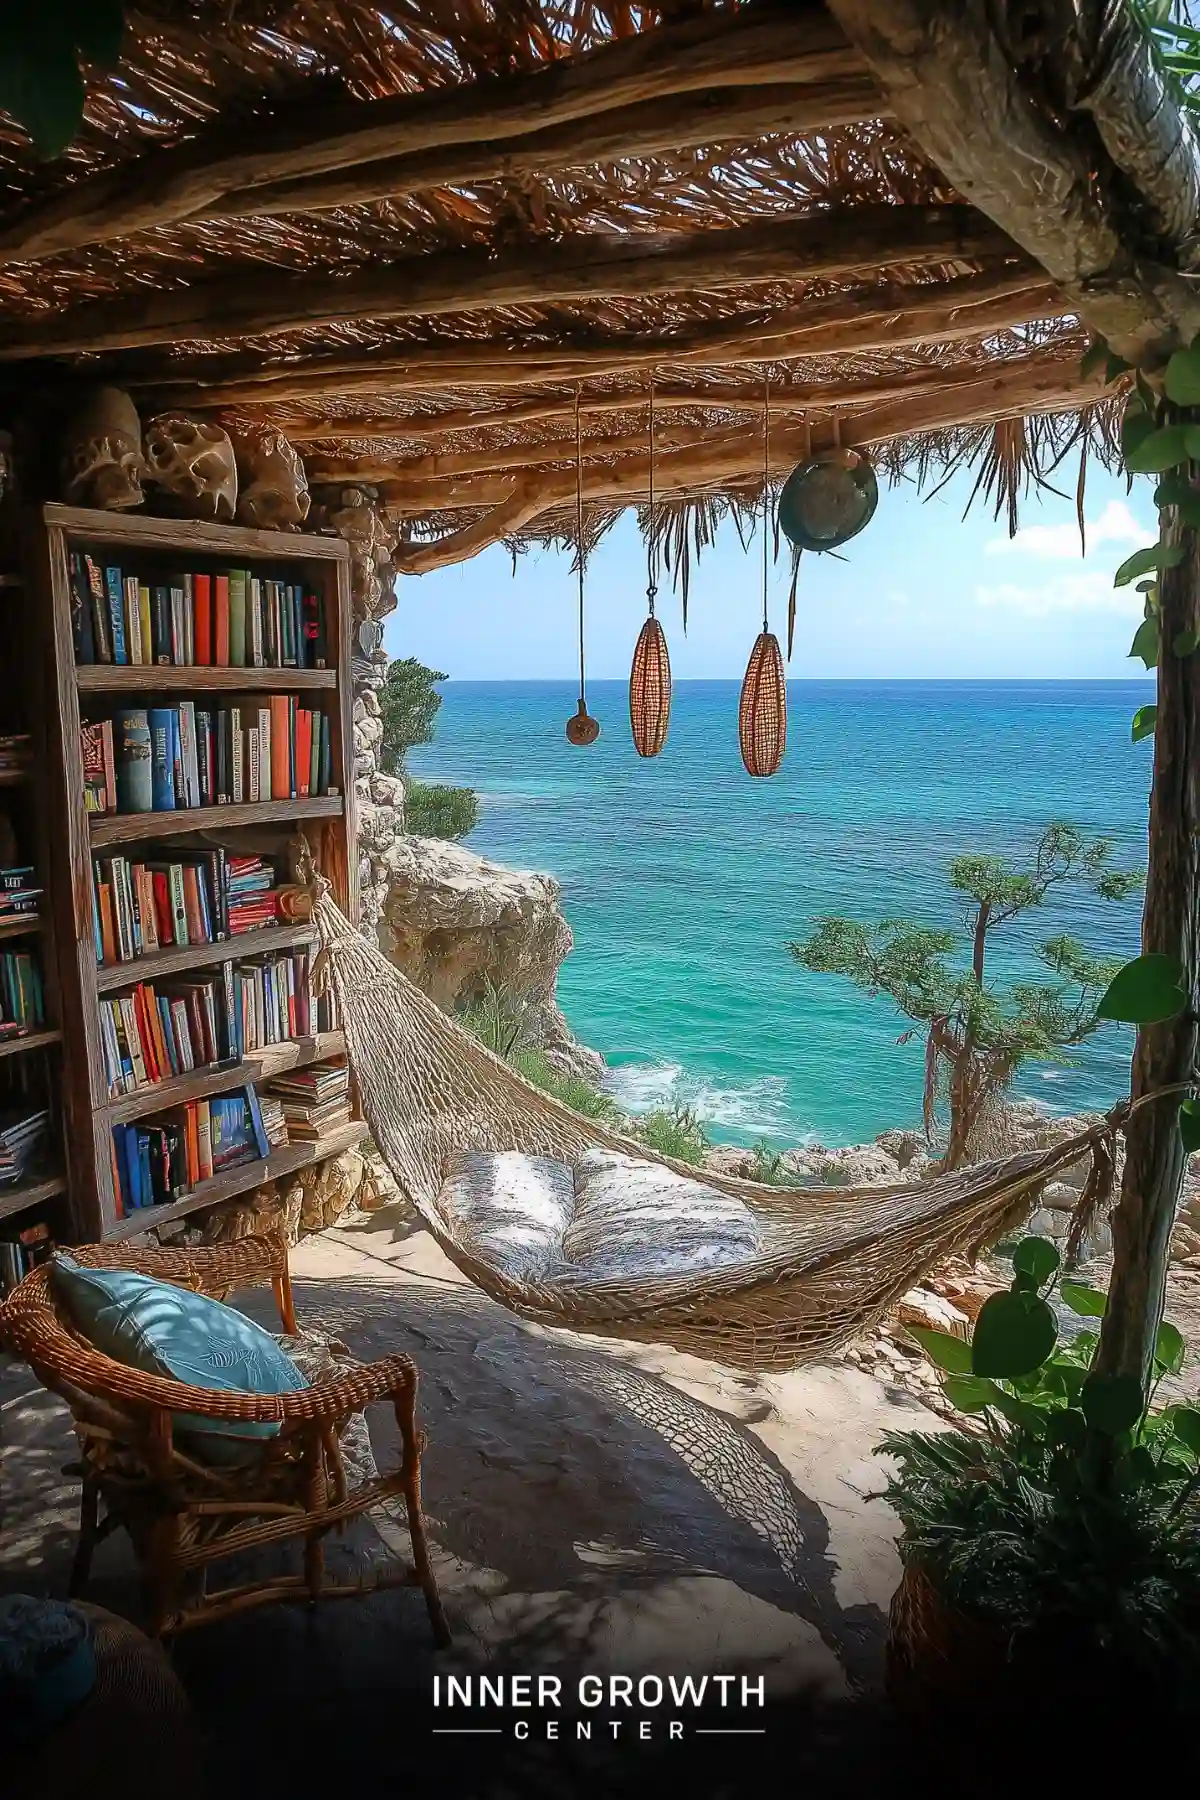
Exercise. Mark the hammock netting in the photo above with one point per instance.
(831, 1261)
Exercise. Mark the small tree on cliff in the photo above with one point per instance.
(408, 706)
(977, 1036)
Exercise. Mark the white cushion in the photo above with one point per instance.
(610, 1218)
(510, 1209)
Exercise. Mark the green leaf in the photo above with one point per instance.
(97, 27)
(1191, 440)
(949, 1352)
(1169, 1348)
(1142, 562)
(1184, 644)
(1182, 378)
(1112, 1403)
(1187, 1428)
(1088, 1302)
(1145, 991)
(1144, 721)
(1189, 1125)
(1014, 1334)
(969, 1393)
(1145, 642)
(1037, 1258)
(1031, 1418)
(1165, 448)
(1136, 425)
(1068, 1428)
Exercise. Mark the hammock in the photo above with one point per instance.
(832, 1260)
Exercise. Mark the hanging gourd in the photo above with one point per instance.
(828, 499)
(762, 710)
(581, 728)
(650, 676)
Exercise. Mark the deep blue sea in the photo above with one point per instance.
(684, 880)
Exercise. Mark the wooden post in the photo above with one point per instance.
(1164, 1054)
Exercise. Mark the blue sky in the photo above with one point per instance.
(924, 593)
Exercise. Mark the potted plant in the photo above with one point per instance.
(1051, 1544)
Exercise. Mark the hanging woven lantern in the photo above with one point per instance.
(828, 500)
(762, 711)
(581, 727)
(650, 690)
(650, 676)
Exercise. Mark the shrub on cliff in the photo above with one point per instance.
(435, 811)
(408, 706)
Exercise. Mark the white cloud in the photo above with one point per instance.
(1089, 591)
(1115, 525)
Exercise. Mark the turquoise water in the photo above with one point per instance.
(684, 880)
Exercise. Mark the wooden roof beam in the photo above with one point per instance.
(1014, 390)
(869, 318)
(780, 41)
(678, 122)
(249, 302)
(1052, 118)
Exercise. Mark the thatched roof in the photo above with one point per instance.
(410, 234)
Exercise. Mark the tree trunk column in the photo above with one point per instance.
(1165, 1053)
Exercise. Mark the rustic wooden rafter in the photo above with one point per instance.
(1019, 142)
(247, 303)
(790, 41)
(1015, 390)
(658, 127)
(877, 317)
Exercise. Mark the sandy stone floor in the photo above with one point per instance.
(594, 1507)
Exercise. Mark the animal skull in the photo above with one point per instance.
(102, 462)
(274, 489)
(194, 464)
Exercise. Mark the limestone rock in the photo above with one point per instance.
(453, 920)
(379, 1186)
(923, 1306)
(903, 1146)
(1060, 1196)
(329, 1188)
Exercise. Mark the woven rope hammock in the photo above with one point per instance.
(834, 1259)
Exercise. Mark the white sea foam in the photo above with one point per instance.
(757, 1106)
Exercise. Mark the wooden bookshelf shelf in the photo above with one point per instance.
(133, 828)
(25, 1194)
(216, 1078)
(289, 1159)
(14, 777)
(179, 957)
(21, 925)
(32, 1040)
(141, 678)
(53, 537)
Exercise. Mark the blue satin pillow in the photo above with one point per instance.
(166, 1330)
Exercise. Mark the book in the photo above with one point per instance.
(83, 637)
(202, 649)
(237, 618)
(161, 721)
(194, 618)
(114, 588)
(101, 626)
(134, 765)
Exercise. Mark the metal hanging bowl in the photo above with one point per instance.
(828, 500)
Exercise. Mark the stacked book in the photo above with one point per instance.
(172, 758)
(23, 1252)
(204, 619)
(20, 893)
(24, 1132)
(159, 1161)
(274, 1122)
(202, 897)
(315, 1100)
(22, 1002)
(15, 752)
(160, 1030)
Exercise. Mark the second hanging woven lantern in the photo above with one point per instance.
(762, 710)
(581, 728)
(650, 676)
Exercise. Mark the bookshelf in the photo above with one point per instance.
(243, 828)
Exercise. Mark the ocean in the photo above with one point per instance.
(684, 880)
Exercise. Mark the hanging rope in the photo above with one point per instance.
(766, 522)
(652, 589)
(579, 533)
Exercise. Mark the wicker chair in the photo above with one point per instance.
(183, 1514)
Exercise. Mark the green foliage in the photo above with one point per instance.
(434, 811)
(1074, 1514)
(673, 1131)
(1142, 562)
(1144, 992)
(1145, 642)
(1189, 1125)
(41, 81)
(930, 973)
(569, 1090)
(1144, 721)
(770, 1167)
(408, 706)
